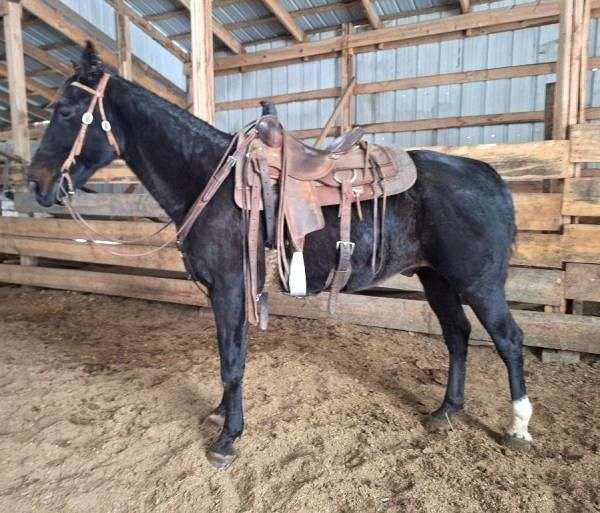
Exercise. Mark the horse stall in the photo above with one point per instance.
(109, 370)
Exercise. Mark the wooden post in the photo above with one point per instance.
(346, 74)
(563, 70)
(15, 61)
(123, 41)
(16, 80)
(203, 98)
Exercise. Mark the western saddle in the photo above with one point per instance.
(290, 182)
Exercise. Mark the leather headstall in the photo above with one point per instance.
(86, 120)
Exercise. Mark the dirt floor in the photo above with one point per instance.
(103, 400)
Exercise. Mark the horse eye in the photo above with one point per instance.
(65, 112)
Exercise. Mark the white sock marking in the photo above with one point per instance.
(522, 411)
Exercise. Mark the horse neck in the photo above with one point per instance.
(171, 152)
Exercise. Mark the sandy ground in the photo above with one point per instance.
(103, 400)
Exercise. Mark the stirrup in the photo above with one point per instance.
(297, 278)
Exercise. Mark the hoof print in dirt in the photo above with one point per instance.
(515, 443)
(220, 461)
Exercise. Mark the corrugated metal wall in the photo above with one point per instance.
(520, 47)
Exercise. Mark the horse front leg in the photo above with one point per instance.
(232, 334)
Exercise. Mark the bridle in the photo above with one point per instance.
(225, 165)
(86, 120)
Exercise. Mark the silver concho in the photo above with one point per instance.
(106, 125)
(87, 118)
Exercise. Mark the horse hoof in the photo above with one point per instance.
(434, 424)
(220, 461)
(215, 418)
(515, 443)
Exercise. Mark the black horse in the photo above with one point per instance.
(454, 228)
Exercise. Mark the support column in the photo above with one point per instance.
(346, 75)
(563, 70)
(123, 41)
(16, 80)
(203, 96)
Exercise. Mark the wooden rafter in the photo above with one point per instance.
(33, 111)
(55, 18)
(224, 35)
(465, 6)
(371, 12)
(32, 85)
(285, 18)
(148, 28)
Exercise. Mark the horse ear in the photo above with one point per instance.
(91, 66)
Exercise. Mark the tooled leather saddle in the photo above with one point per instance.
(289, 182)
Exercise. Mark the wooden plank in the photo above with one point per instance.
(203, 96)
(345, 98)
(563, 71)
(317, 94)
(101, 204)
(538, 211)
(32, 85)
(555, 331)
(54, 16)
(524, 285)
(465, 6)
(371, 13)
(537, 250)
(581, 243)
(112, 284)
(284, 17)
(168, 259)
(582, 282)
(16, 80)
(581, 197)
(526, 161)
(67, 229)
(585, 142)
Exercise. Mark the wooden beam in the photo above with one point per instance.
(31, 84)
(203, 99)
(336, 112)
(284, 17)
(371, 13)
(16, 80)
(465, 6)
(224, 35)
(346, 76)
(162, 39)
(54, 16)
(373, 38)
(123, 40)
(33, 111)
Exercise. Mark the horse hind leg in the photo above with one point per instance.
(445, 303)
(493, 312)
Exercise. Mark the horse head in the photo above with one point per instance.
(66, 158)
